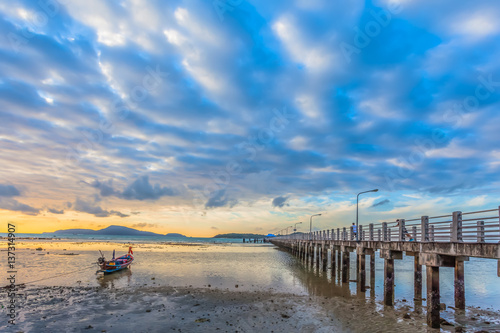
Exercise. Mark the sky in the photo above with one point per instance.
(207, 117)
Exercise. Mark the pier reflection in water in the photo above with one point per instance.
(482, 289)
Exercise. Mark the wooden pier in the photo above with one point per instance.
(440, 241)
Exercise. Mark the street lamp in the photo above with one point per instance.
(357, 204)
(310, 221)
(295, 227)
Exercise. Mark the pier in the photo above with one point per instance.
(434, 242)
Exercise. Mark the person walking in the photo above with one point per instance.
(405, 232)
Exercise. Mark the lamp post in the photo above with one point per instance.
(295, 227)
(357, 210)
(310, 221)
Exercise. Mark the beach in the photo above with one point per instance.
(203, 287)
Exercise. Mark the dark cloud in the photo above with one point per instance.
(92, 208)
(141, 189)
(381, 203)
(220, 199)
(8, 191)
(14, 205)
(105, 189)
(214, 228)
(280, 202)
(55, 211)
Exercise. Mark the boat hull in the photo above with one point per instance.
(117, 264)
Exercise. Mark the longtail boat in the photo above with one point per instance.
(114, 265)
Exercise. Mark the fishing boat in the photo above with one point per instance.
(114, 265)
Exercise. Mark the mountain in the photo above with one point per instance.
(171, 234)
(115, 230)
(233, 235)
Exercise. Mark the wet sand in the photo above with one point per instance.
(203, 288)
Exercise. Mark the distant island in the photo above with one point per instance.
(233, 235)
(113, 230)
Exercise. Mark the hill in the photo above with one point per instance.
(234, 235)
(112, 230)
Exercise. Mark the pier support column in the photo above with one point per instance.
(333, 262)
(372, 275)
(417, 280)
(433, 298)
(459, 285)
(324, 256)
(339, 263)
(372, 270)
(345, 266)
(389, 257)
(362, 272)
(318, 251)
(389, 282)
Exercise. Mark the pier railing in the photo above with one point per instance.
(469, 227)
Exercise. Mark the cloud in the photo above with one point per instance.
(220, 199)
(14, 205)
(8, 191)
(106, 189)
(280, 202)
(381, 203)
(55, 211)
(144, 225)
(214, 228)
(140, 189)
(91, 208)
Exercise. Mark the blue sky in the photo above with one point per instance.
(203, 117)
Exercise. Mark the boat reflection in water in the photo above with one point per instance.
(116, 280)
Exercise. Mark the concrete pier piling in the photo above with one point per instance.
(362, 273)
(324, 256)
(459, 285)
(433, 297)
(417, 279)
(345, 266)
(333, 263)
(389, 282)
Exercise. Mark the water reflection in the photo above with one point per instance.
(116, 279)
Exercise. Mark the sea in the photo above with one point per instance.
(125, 238)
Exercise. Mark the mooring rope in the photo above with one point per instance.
(51, 277)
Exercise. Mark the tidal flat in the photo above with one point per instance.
(223, 287)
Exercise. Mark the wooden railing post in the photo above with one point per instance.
(370, 232)
(424, 226)
(344, 234)
(384, 231)
(456, 228)
(431, 233)
(379, 235)
(414, 232)
(360, 231)
(333, 234)
(389, 234)
(351, 236)
(480, 231)
(338, 234)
